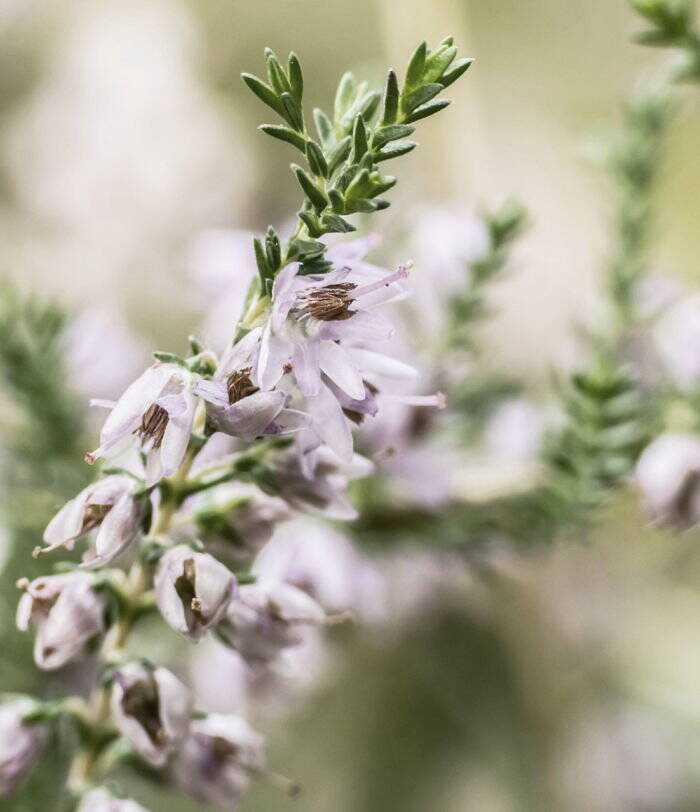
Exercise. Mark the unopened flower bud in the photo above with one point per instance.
(267, 617)
(193, 590)
(99, 800)
(21, 743)
(66, 611)
(151, 709)
(217, 758)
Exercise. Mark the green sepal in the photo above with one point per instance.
(337, 201)
(264, 269)
(169, 358)
(273, 250)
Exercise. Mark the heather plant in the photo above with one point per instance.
(303, 361)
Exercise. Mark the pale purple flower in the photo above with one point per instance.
(317, 481)
(21, 743)
(267, 617)
(247, 518)
(151, 709)
(66, 611)
(217, 759)
(193, 590)
(102, 353)
(324, 563)
(100, 800)
(157, 412)
(310, 314)
(668, 475)
(107, 506)
(677, 338)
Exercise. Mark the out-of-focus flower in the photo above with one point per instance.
(102, 354)
(151, 709)
(99, 800)
(67, 613)
(217, 758)
(236, 519)
(267, 617)
(677, 336)
(443, 247)
(193, 590)
(668, 475)
(21, 743)
(157, 410)
(318, 481)
(223, 265)
(107, 505)
(324, 563)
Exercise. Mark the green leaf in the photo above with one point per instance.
(296, 78)
(391, 99)
(316, 159)
(277, 77)
(419, 96)
(394, 150)
(460, 66)
(337, 201)
(391, 133)
(292, 112)
(360, 187)
(264, 92)
(438, 62)
(416, 66)
(344, 96)
(312, 223)
(336, 225)
(273, 249)
(261, 261)
(426, 110)
(338, 154)
(169, 358)
(313, 193)
(283, 133)
(359, 139)
(324, 127)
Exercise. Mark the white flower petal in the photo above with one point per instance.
(336, 363)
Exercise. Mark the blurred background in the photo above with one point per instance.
(564, 679)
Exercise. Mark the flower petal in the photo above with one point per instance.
(336, 363)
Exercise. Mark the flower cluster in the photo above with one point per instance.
(176, 518)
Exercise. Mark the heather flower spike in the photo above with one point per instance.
(208, 454)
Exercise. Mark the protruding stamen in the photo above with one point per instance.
(437, 401)
(288, 785)
(400, 273)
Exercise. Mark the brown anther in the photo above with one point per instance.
(196, 605)
(239, 385)
(93, 516)
(37, 552)
(287, 368)
(327, 303)
(23, 584)
(153, 424)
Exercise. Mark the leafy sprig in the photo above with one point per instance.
(342, 174)
(468, 305)
(672, 26)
